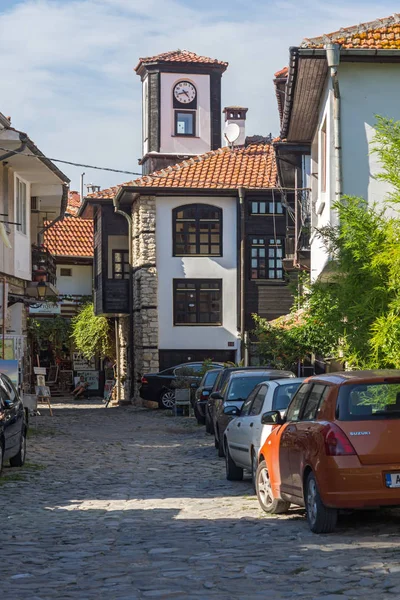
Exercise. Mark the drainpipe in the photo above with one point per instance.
(243, 353)
(333, 60)
(130, 297)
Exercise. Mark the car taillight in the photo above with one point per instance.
(204, 395)
(336, 442)
(144, 380)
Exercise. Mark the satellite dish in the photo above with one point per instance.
(232, 132)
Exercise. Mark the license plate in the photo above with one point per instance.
(392, 480)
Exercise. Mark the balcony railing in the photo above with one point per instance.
(43, 265)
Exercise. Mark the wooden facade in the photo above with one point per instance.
(111, 296)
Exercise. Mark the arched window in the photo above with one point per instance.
(197, 230)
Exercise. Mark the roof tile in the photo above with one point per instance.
(70, 237)
(181, 56)
(252, 166)
(379, 34)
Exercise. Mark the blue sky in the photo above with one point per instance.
(67, 65)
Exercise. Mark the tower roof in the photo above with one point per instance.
(180, 56)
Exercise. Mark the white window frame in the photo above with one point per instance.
(21, 211)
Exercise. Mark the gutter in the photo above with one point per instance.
(333, 60)
(243, 351)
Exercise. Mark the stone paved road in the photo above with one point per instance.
(126, 504)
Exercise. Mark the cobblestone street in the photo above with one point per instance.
(126, 504)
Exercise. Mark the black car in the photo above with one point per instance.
(219, 384)
(159, 387)
(235, 391)
(202, 394)
(13, 425)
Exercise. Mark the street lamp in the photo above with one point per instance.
(41, 289)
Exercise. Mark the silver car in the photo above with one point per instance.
(246, 434)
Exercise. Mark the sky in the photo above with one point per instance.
(67, 74)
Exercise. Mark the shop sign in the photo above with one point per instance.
(45, 308)
(83, 364)
(91, 377)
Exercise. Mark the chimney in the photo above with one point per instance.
(235, 136)
(91, 188)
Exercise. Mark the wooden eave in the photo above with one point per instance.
(307, 75)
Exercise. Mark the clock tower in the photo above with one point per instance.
(181, 106)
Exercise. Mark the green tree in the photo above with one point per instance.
(93, 334)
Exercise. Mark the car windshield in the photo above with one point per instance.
(369, 401)
(240, 387)
(283, 395)
(210, 378)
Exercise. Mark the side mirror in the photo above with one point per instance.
(273, 417)
(216, 396)
(232, 411)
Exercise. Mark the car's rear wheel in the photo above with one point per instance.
(220, 446)
(268, 503)
(209, 423)
(233, 472)
(199, 417)
(167, 400)
(19, 459)
(321, 519)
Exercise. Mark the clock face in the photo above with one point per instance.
(185, 92)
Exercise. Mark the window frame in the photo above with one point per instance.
(197, 283)
(21, 209)
(189, 112)
(63, 274)
(263, 386)
(197, 220)
(320, 400)
(267, 203)
(125, 274)
(266, 246)
(303, 401)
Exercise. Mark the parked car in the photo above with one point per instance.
(217, 387)
(235, 391)
(13, 425)
(336, 448)
(245, 434)
(202, 394)
(159, 386)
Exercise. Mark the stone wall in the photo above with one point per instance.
(124, 380)
(145, 320)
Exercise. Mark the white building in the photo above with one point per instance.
(332, 108)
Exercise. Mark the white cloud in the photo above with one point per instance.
(67, 67)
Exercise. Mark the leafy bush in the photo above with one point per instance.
(92, 334)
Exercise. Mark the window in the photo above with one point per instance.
(283, 395)
(266, 258)
(259, 401)
(240, 387)
(267, 207)
(197, 230)
(210, 378)
(185, 122)
(313, 402)
(369, 401)
(197, 302)
(120, 264)
(64, 272)
(297, 402)
(247, 404)
(323, 156)
(20, 203)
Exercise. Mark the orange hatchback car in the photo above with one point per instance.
(338, 447)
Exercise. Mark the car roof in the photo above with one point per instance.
(287, 380)
(265, 372)
(194, 362)
(356, 376)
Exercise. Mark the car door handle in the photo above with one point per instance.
(251, 424)
(238, 424)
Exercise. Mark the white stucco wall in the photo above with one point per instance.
(366, 90)
(80, 283)
(170, 267)
(179, 144)
(22, 241)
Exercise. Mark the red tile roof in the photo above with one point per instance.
(282, 73)
(252, 166)
(378, 34)
(181, 56)
(71, 237)
(74, 203)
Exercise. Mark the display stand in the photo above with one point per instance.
(42, 391)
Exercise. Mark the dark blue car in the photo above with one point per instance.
(13, 425)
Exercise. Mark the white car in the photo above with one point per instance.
(246, 434)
